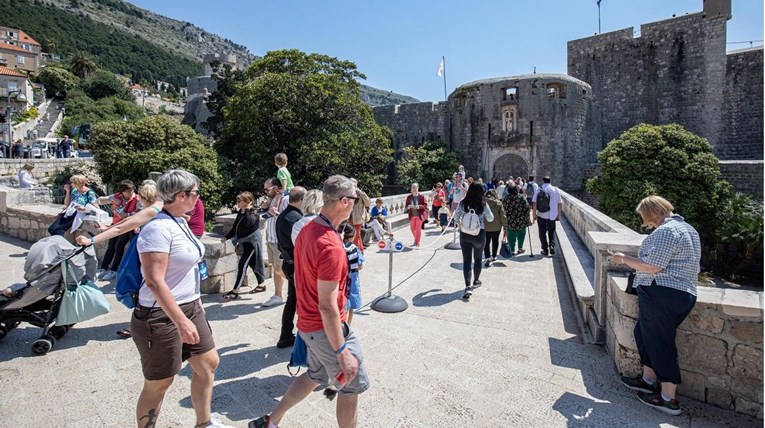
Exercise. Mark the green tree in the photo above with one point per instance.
(661, 160)
(427, 164)
(81, 109)
(308, 106)
(82, 65)
(105, 84)
(130, 150)
(57, 80)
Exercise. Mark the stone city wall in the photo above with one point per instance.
(672, 72)
(719, 345)
(743, 106)
(744, 176)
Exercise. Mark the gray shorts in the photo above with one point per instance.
(274, 256)
(322, 361)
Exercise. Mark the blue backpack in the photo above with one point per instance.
(129, 277)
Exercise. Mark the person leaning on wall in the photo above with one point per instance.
(667, 268)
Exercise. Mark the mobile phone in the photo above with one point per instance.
(610, 251)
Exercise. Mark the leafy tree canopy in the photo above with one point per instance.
(308, 106)
(81, 109)
(82, 65)
(130, 150)
(228, 80)
(105, 84)
(661, 160)
(427, 164)
(57, 80)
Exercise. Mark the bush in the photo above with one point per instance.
(57, 80)
(427, 164)
(130, 150)
(738, 253)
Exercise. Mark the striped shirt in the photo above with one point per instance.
(281, 203)
(676, 248)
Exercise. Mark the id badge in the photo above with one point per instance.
(203, 275)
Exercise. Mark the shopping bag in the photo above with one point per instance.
(81, 303)
(299, 356)
(504, 250)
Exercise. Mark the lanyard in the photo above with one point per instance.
(183, 229)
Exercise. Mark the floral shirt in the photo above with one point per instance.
(89, 197)
(517, 211)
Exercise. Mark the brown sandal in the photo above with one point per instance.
(259, 289)
(231, 295)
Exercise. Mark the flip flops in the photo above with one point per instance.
(125, 333)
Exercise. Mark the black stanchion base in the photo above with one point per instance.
(453, 245)
(390, 304)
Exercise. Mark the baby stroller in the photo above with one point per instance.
(38, 301)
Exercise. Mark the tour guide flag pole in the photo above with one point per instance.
(442, 72)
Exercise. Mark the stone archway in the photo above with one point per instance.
(510, 164)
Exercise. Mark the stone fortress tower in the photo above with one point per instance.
(195, 112)
(675, 71)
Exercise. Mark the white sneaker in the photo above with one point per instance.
(100, 272)
(215, 423)
(108, 275)
(273, 301)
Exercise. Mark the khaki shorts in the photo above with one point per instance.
(322, 361)
(159, 343)
(274, 256)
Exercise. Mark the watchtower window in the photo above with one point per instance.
(556, 90)
(511, 94)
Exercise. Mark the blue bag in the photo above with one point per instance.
(299, 357)
(129, 277)
(81, 303)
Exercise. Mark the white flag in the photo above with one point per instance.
(440, 71)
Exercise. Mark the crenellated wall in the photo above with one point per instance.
(742, 106)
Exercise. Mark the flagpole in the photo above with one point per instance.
(443, 59)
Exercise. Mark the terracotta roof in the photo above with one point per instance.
(137, 87)
(15, 48)
(5, 71)
(24, 37)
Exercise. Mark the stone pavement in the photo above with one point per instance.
(510, 357)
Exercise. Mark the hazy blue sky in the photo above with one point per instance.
(398, 44)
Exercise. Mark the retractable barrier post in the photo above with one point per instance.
(390, 303)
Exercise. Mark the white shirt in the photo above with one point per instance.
(555, 200)
(172, 236)
(460, 190)
(25, 180)
(280, 202)
(299, 225)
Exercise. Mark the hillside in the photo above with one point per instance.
(380, 97)
(179, 37)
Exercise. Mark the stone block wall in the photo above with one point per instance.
(672, 72)
(744, 176)
(743, 106)
(45, 169)
(719, 345)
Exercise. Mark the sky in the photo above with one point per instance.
(398, 44)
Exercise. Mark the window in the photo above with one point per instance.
(12, 87)
(20, 59)
(511, 94)
(556, 90)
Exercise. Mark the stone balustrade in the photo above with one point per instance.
(720, 344)
(45, 169)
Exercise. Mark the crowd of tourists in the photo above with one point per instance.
(311, 240)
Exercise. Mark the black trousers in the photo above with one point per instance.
(471, 247)
(492, 244)
(661, 311)
(546, 233)
(288, 314)
(253, 258)
(115, 250)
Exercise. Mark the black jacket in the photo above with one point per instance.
(284, 223)
(246, 222)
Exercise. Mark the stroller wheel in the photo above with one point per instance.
(43, 345)
(3, 331)
(58, 331)
(12, 325)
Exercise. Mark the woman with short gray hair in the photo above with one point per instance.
(313, 201)
(169, 325)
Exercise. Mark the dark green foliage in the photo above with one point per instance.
(427, 164)
(57, 80)
(82, 65)
(308, 106)
(130, 150)
(673, 163)
(81, 109)
(67, 33)
(105, 84)
(739, 251)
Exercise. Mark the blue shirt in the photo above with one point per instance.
(676, 248)
(376, 212)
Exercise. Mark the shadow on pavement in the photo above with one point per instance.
(425, 300)
(76, 337)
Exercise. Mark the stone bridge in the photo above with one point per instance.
(541, 343)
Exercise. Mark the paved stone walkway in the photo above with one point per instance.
(510, 357)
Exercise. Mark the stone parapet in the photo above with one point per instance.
(45, 169)
(719, 345)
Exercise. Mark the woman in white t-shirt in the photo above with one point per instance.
(313, 201)
(169, 325)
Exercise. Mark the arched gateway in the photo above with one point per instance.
(510, 164)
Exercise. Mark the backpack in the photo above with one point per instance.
(543, 201)
(471, 223)
(129, 277)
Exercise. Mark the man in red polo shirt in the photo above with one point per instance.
(321, 273)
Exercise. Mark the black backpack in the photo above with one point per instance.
(543, 201)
